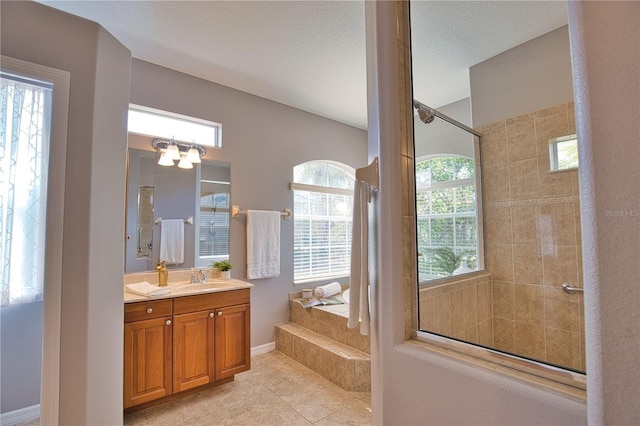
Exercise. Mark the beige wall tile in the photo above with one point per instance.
(523, 223)
(456, 307)
(428, 314)
(529, 304)
(562, 314)
(550, 123)
(497, 225)
(495, 182)
(563, 348)
(554, 183)
(559, 264)
(485, 309)
(521, 141)
(443, 314)
(493, 145)
(470, 307)
(530, 340)
(499, 261)
(503, 300)
(485, 332)
(527, 264)
(523, 179)
(504, 334)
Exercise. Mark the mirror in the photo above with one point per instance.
(156, 192)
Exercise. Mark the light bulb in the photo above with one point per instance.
(165, 160)
(193, 155)
(185, 163)
(173, 152)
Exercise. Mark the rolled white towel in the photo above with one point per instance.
(328, 289)
(145, 289)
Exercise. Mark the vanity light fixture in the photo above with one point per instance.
(193, 155)
(165, 160)
(185, 163)
(173, 152)
(188, 154)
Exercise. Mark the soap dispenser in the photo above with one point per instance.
(163, 273)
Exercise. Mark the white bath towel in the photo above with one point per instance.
(263, 244)
(328, 290)
(172, 241)
(359, 280)
(145, 289)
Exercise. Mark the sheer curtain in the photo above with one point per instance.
(24, 132)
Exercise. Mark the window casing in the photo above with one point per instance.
(323, 203)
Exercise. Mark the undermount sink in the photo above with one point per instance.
(196, 287)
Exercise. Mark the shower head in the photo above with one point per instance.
(425, 113)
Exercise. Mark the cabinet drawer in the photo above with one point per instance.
(151, 309)
(202, 302)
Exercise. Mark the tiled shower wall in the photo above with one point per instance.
(532, 238)
(460, 309)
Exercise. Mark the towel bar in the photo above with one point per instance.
(188, 220)
(235, 211)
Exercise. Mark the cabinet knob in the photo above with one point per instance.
(149, 310)
(168, 322)
(211, 314)
(219, 313)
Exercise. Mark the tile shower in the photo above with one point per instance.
(532, 246)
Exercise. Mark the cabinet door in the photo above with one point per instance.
(147, 360)
(192, 350)
(233, 341)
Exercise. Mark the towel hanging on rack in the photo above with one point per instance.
(172, 241)
(263, 244)
(359, 280)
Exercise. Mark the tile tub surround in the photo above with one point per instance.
(533, 238)
(277, 391)
(319, 339)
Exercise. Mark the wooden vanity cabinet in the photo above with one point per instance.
(232, 340)
(192, 341)
(147, 351)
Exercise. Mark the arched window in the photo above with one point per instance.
(446, 216)
(323, 202)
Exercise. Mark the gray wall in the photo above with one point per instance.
(441, 137)
(21, 353)
(529, 77)
(90, 389)
(263, 141)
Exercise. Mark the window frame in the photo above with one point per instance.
(330, 191)
(453, 184)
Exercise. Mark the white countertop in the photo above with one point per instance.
(184, 288)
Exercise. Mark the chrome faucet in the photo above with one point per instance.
(201, 277)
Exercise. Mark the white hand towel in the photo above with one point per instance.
(328, 290)
(172, 241)
(145, 289)
(263, 244)
(359, 280)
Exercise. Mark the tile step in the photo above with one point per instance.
(343, 365)
(329, 321)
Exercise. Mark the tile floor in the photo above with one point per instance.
(277, 391)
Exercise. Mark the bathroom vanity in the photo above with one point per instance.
(194, 338)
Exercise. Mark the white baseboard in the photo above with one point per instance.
(20, 415)
(263, 349)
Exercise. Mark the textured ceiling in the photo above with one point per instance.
(311, 54)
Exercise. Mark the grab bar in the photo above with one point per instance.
(569, 288)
